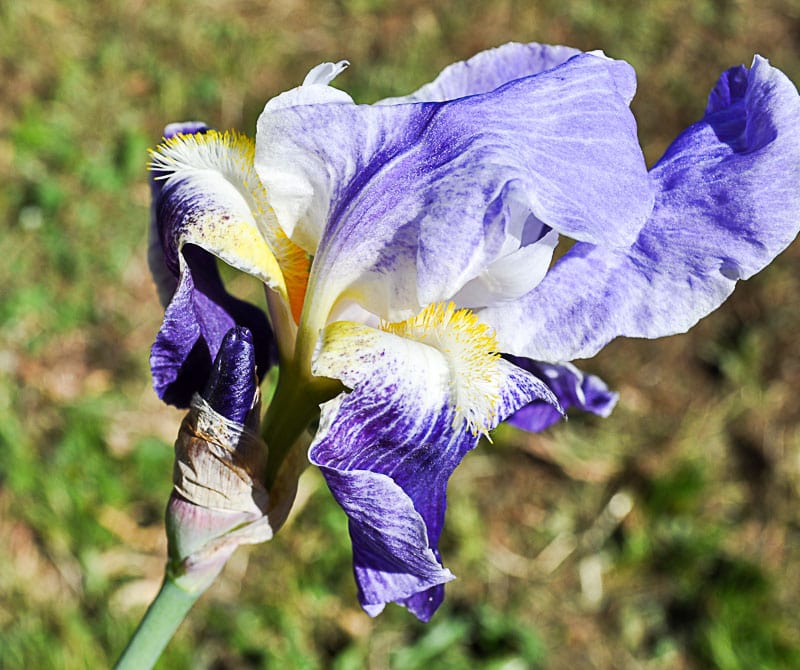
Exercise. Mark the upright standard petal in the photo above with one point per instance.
(422, 392)
(493, 68)
(727, 203)
(422, 192)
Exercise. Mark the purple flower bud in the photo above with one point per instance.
(231, 388)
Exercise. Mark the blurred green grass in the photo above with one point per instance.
(704, 572)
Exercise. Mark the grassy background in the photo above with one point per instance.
(667, 536)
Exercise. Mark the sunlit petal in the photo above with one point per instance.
(571, 386)
(388, 446)
(493, 68)
(418, 192)
(727, 203)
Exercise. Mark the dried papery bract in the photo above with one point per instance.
(219, 500)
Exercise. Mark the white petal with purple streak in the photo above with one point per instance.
(388, 446)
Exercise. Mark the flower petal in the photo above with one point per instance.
(387, 449)
(208, 198)
(502, 279)
(212, 197)
(314, 90)
(727, 203)
(198, 317)
(571, 386)
(420, 191)
(166, 280)
(493, 68)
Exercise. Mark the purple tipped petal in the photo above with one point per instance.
(727, 203)
(231, 388)
(166, 279)
(198, 317)
(428, 193)
(392, 555)
(387, 449)
(388, 465)
(572, 387)
(185, 128)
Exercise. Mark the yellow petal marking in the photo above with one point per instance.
(470, 348)
(230, 155)
(296, 266)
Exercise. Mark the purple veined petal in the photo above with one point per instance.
(727, 203)
(571, 386)
(195, 322)
(166, 280)
(388, 447)
(211, 197)
(417, 192)
(493, 68)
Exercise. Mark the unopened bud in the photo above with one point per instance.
(219, 500)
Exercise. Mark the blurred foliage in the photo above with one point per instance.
(664, 537)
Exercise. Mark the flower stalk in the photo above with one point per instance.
(157, 627)
(219, 500)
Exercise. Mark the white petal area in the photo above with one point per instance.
(211, 197)
(348, 310)
(510, 276)
(291, 192)
(311, 94)
(443, 357)
(324, 73)
(350, 351)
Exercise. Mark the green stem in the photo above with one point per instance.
(280, 317)
(157, 627)
(293, 407)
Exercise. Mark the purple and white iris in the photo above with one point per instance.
(406, 249)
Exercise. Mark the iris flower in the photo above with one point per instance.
(407, 247)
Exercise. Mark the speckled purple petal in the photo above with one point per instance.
(417, 192)
(571, 386)
(199, 311)
(387, 449)
(727, 203)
